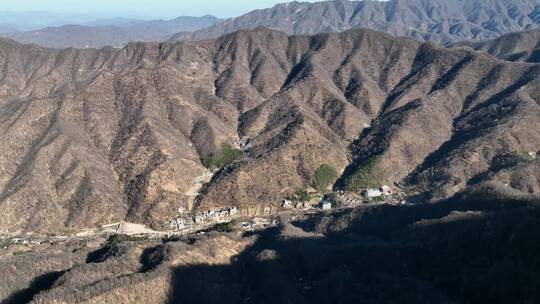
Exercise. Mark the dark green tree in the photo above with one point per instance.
(226, 156)
(301, 194)
(325, 176)
(368, 175)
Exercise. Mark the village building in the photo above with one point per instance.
(385, 190)
(287, 204)
(179, 223)
(372, 193)
(326, 206)
(261, 222)
(247, 226)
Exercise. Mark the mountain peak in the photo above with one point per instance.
(442, 21)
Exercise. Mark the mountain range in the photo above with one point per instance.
(443, 21)
(98, 136)
(518, 46)
(34, 20)
(110, 32)
(104, 148)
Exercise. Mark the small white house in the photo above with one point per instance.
(385, 190)
(371, 193)
(260, 221)
(288, 204)
(178, 223)
(326, 206)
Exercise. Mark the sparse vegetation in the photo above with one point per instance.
(422, 181)
(302, 195)
(368, 175)
(226, 156)
(121, 238)
(4, 244)
(331, 197)
(524, 156)
(223, 227)
(324, 177)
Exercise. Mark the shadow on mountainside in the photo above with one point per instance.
(485, 253)
(41, 283)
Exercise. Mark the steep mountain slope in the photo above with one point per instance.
(435, 20)
(518, 46)
(97, 136)
(109, 33)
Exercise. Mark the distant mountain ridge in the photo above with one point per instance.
(33, 20)
(112, 32)
(443, 21)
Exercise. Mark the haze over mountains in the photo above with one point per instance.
(27, 21)
(444, 21)
(110, 32)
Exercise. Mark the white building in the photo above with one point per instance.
(326, 206)
(385, 190)
(371, 193)
(288, 204)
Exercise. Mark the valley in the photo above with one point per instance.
(310, 152)
(426, 118)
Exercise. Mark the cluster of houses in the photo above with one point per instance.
(289, 204)
(216, 215)
(348, 199)
(343, 199)
(181, 222)
(259, 223)
(305, 206)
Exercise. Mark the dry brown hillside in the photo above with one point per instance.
(517, 46)
(96, 136)
(452, 252)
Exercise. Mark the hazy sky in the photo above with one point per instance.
(141, 8)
